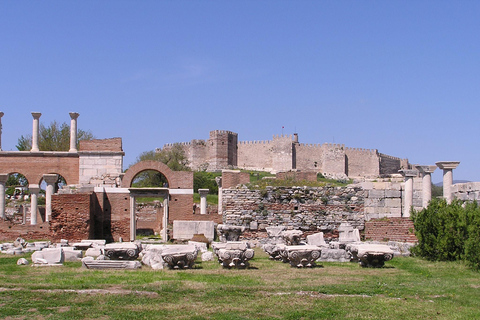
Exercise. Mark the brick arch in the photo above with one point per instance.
(134, 170)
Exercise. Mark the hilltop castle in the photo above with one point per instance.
(284, 153)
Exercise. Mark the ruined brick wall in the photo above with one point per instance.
(72, 217)
(33, 165)
(362, 162)
(390, 229)
(305, 208)
(297, 175)
(113, 145)
(116, 216)
(10, 231)
(232, 178)
(149, 216)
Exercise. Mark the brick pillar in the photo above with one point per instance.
(36, 120)
(426, 172)
(34, 189)
(447, 167)
(203, 200)
(3, 180)
(1, 115)
(408, 203)
(50, 180)
(73, 131)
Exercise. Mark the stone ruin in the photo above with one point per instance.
(288, 247)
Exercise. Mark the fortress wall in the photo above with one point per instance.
(391, 165)
(362, 162)
(308, 157)
(196, 153)
(255, 155)
(282, 153)
(333, 159)
(222, 149)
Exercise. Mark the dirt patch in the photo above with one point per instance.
(89, 291)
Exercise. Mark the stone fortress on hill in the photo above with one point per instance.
(285, 153)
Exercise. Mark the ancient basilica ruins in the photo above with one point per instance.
(99, 202)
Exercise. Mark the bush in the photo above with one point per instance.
(205, 180)
(448, 232)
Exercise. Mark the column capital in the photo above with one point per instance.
(426, 169)
(74, 115)
(33, 188)
(50, 178)
(447, 165)
(36, 115)
(3, 177)
(1, 114)
(203, 192)
(408, 173)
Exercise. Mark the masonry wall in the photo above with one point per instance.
(97, 168)
(334, 163)
(362, 162)
(469, 191)
(231, 179)
(389, 164)
(297, 175)
(113, 145)
(72, 217)
(11, 231)
(305, 208)
(255, 155)
(308, 157)
(33, 165)
(390, 229)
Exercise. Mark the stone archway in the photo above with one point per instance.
(139, 167)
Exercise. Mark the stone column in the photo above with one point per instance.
(3, 180)
(203, 200)
(426, 172)
(1, 115)
(164, 232)
(50, 180)
(408, 203)
(36, 120)
(133, 222)
(73, 131)
(447, 167)
(34, 189)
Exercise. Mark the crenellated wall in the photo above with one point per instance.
(284, 153)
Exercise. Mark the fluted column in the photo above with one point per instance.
(1, 115)
(408, 203)
(35, 129)
(50, 180)
(3, 180)
(447, 167)
(73, 131)
(426, 172)
(34, 189)
(203, 200)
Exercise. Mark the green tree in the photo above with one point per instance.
(55, 137)
(173, 157)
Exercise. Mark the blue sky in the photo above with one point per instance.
(398, 76)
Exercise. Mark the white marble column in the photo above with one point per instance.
(426, 172)
(133, 217)
(203, 200)
(35, 129)
(164, 232)
(3, 180)
(1, 115)
(73, 131)
(50, 180)
(408, 203)
(34, 189)
(447, 167)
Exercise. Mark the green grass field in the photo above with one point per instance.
(407, 288)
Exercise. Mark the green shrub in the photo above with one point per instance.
(448, 232)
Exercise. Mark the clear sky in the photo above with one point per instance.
(398, 76)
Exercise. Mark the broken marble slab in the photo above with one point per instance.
(90, 263)
(48, 256)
